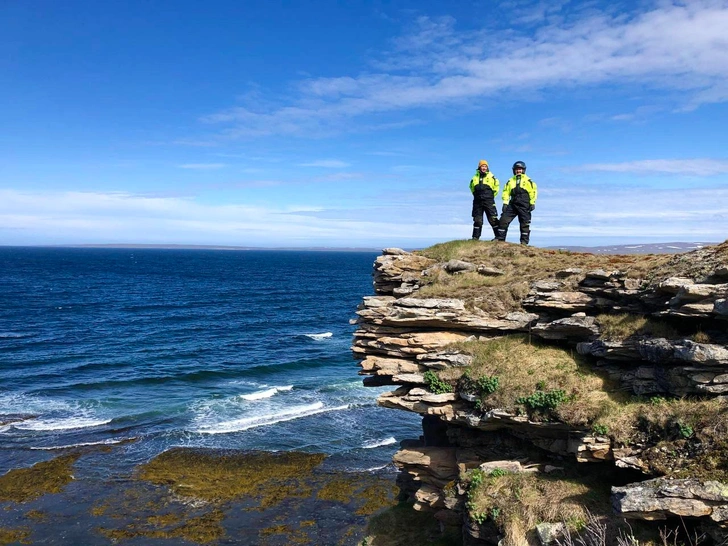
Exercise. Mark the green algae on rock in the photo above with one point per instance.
(14, 536)
(216, 476)
(25, 484)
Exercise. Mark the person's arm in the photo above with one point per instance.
(506, 195)
(533, 195)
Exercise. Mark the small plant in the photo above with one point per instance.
(658, 400)
(540, 385)
(435, 384)
(488, 384)
(600, 429)
(685, 430)
(543, 401)
(494, 513)
(701, 337)
(497, 473)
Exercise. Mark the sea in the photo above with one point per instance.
(151, 349)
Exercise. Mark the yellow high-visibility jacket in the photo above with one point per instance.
(526, 184)
(488, 179)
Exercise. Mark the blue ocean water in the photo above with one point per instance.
(203, 348)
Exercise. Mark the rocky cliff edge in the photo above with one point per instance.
(561, 393)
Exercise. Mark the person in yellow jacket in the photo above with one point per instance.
(519, 199)
(484, 187)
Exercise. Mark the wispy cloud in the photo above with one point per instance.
(695, 167)
(403, 218)
(439, 66)
(203, 166)
(326, 164)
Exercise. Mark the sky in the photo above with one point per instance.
(359, 124)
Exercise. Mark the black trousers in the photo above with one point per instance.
(484, 205)
(524, 221)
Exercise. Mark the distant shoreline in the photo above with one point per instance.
(634, 248)
(202, 247)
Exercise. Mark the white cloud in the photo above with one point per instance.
(202, 166)
(673, 47)
(694, 167)
(326, 163)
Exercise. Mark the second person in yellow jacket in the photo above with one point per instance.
(519, 199)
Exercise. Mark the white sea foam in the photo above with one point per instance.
(83, 444)
(59, 424)
(267, 393)
(323, 335)
(379, 443)
(375, 468)
(295, 412)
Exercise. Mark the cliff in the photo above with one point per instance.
(562, 394)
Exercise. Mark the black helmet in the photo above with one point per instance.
(519, 164)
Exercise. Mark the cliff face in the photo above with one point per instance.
(595, 382)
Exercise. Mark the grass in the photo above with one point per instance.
(539, 369)
(685, 437)
(521, 265)
(623, 325)
(517, 502)
(688, 437)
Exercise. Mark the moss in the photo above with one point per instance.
(25, 484)
(214, 476)
(14, 536)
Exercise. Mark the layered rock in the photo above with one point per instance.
(402, 336)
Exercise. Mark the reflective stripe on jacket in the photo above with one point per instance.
(526, 184)
(487, 179)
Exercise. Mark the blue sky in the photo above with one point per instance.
(324, 123)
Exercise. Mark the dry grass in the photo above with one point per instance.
(621, 326)
(521, 265)
(524, 368)
(516, 503)
(689, 437)
(524, 264)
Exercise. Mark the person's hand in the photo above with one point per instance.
(532, 208)
(503, 210)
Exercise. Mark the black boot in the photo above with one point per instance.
(525, 236)
(477, 230)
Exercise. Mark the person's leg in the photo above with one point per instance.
(477, 218)
(492, 214)
(506, 218)
(524, 222)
